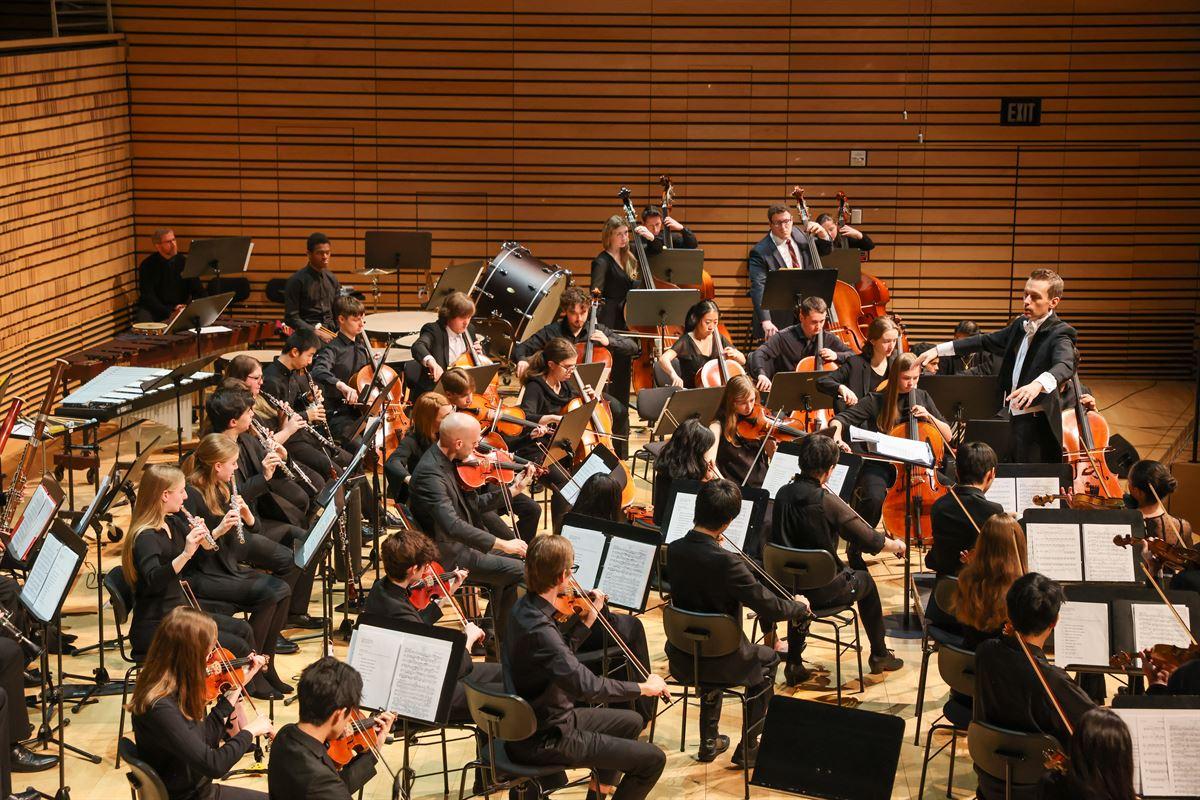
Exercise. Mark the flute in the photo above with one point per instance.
(194, 521)
(235, 500)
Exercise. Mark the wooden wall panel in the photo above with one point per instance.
(484, 121)
(66, 204)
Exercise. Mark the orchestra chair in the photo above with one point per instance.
(945, 590)
(144, 783)
(957, 668)
(414, 734)
(120, 597)
(705, 635)
(505, 717)
(650, 404)
(1018, 759)
(804, 571)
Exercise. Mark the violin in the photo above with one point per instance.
(1085, 440)
(638, 514)
(1166, 555)
(496, 466)
(1161, 657)
(590, 352)
(926, 489)
(360, 736)
(429, 587)
(759, 424)
(717, 371)
(507, 420)
(1083, 501)
(1056, 760)
(223, 672)
(845, 310)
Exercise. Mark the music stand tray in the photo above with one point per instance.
(398, 250)
(569, 433)
(787, 287)
(700, 403)
(200, 314)
(847, 262)
(678, 265)
(454, 278)
(223, 254)
(997, 433)
(963, 397)
(655, 308)
(797, 390)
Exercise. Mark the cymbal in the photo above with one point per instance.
(373, 271)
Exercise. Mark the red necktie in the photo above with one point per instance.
(794, 254)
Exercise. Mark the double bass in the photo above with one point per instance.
(642, 368)
(708, 290)
(845, 309)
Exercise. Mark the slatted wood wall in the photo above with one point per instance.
(488, 121)
(66, 190)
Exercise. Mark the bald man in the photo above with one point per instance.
(443, 512)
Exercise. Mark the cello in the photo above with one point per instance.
(601, 433)
(1085, 440)
(717, 371)
(472, 358)
(845, 309)
(372, 377)
(590, 352)
(818, 419)
(926, 487)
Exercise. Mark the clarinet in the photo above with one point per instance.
(193, 521)
(30, 646)
(354, 589)
(267, 440)
(235, 501)
(286, 408)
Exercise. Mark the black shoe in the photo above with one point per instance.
(285, 646)
(277, 682)
(29, 794)
(885, 663)
(394, 521)
(33, 677)
(796, 674)
(745, 756)
(711, 748)
(305, 621)
(22, 759)
(266, 692)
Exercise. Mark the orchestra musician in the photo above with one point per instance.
(1099, 761)
(685, 456)
(783, 247)
(862, 373)
(540, 665)
(808, 517)
(442, 511)
(188, 748)
(1150, 483)
(614, 272)
(782, 352)
(1008, 693)
(440, 344)
(162, 290)
(653, 227)
(743, 461)
(575, 306)
(330, 691)
(310, 293)
(427, 414)
(953, 530)
(977, 363)
(707, 578)
(681, 361)
(1037, 352)
(336, 364)
(831, 236)
(997, 560)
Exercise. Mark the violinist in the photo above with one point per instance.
(783, 247)
(685, 456)
(440, 344)
(1007, 692)
(310, 294)
(831, 236)
(655, 229)
(427, 414)
(407, 556)
(807, 516)
(862, 373)
(155, 553)
(681, 361)
(442, 511)
(301, 769)
(1037, 352)
(881, 412)
(707, 578)
(953, 530)
(1099, 761)
(977, 363)
(336, 364)
(783, 352)
(187, 748)
(743, 461)
(1150, 484)
(540, 665)
(219, 575)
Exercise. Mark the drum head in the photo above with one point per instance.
(149, 328)
(544, 310)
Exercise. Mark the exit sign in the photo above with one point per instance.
(1021, 111)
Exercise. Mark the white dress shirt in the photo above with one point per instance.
(1047, 381)
(782, 246)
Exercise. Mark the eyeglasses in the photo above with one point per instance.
(574, 568)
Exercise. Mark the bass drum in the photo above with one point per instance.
(517, 297)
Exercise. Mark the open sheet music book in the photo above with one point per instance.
(911, 451)
(1081, 635)
(406, 667)
(681, 514)
(1074, 551)
(617, 559)
(1166, 750)
(1016, 494)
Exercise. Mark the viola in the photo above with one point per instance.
(428, 588)
(842, 320)
(222, 672)
(759, 424)
(638, 514)
(508, 420)
(1164, 554)
(569, 604)
(360, 736)
(717, 371)
(1085, 440)
(926, 488)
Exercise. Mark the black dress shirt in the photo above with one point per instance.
(783, 351)
(161, 285)
(680, 240)
(156, 590)
(308, 298)
(620, 346)
(865, 413)
(809, 517)
(540, 666)
(952, 531)
(301, 769)
(289, 385)
(825, 247)
(339, 359)
(226, 559)
(614, 284)
(187, 754)
(1008, 694)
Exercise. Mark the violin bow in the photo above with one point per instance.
(1037, 670)
(450, 596)
(1163, 596)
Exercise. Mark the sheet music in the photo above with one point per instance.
(373, 653)
(214, 329)
(308, 548)
(589, 548)
(1152, 756)
(1004, 492)
(683, 513)
(594, 465)
(1183, 752)
(626, 571)
(784, 467)
(913, 450)
(1053, 549)
(1153, 623)
(1028, 487)
(1103, 560)
(1081, 635)
(47, 582)
(736, 532)
(420, 672)
(34, 521)
(1166, 750)
(837, 480)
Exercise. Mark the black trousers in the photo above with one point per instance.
(633, 633)
(604, 739)
(12, 681)
(232, 634)
(527, 512)
(265, 597)
(760, 687)
(287, 537)
(1033, 442)
(500, 574)
(850, 586)
(619, 382)
(6, 734)
(874, 480)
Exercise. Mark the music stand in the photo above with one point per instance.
(847, 262)
(797, 390)
(997, 433)
(454, 278)
(222, 254)
(658, 308)
(178, 377)
(482, 375)
(786, 288)
(398, 250)
(700, 403)
(627, 583)
(963, 397)
(302, 556)
(601, 461)
(35, 520)
(678, 266)
(569, 433)
(591, 374)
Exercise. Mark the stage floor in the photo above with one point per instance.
(1152, 415)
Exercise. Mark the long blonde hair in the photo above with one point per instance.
(889, 413)
(174, 665)
(738, 389)
(148, 515)
(627, 262)
(200, 465)
(997, 560)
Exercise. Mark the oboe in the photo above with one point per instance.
(6, 622)
(316, 400)
(235, 501)
(286, 408)
(193, 521)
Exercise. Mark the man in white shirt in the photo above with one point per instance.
(783, 247)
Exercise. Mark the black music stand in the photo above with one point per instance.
(454, 278)
(569, 433)
(786, 288)
(701, 403)
(996, 433)
(673, 528)
(481, 375)
(659, 308)
(314, 546)
(963, 397)
(601, 461)
(791, 391)
(628, 597)
(178, 377)
(677, 265)
(222, 254)
(399, 250)
(847, 262)
(591, 374)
